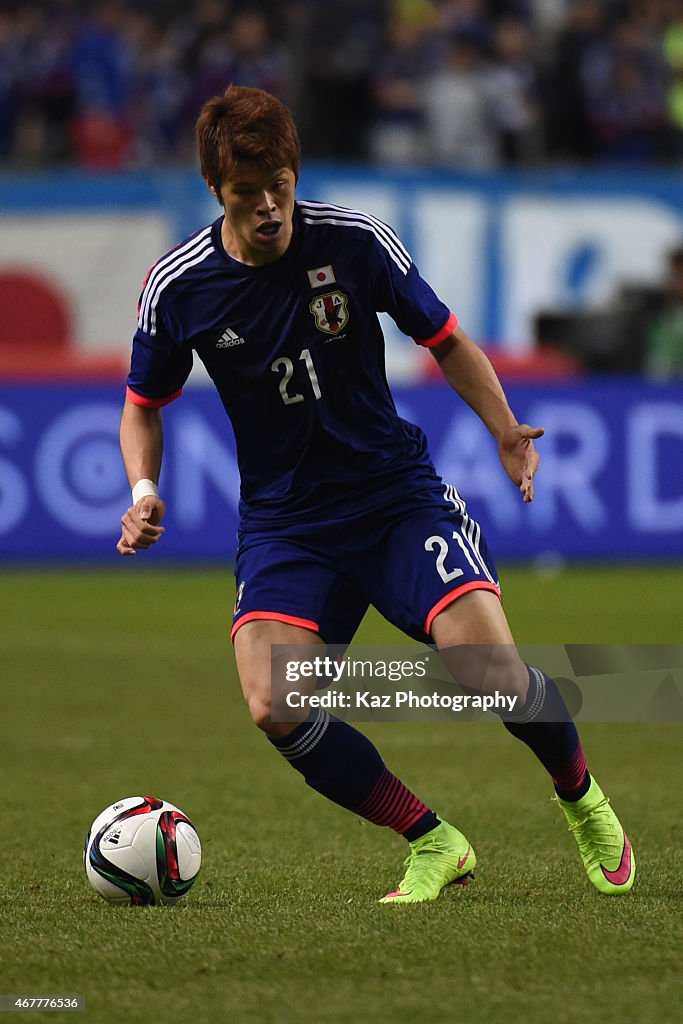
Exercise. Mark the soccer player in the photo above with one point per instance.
(340, 504)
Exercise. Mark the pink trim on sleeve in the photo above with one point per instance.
(151, 403)
(441, 335)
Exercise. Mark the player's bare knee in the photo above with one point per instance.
(488, 668)
(510, 680)
(261, 711)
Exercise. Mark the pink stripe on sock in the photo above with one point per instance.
(376, 797)
(571, 774)
(392, 804)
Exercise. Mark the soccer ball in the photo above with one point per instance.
(142, 851)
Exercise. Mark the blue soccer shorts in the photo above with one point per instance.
(324, 576)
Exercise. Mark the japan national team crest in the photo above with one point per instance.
(331, 312)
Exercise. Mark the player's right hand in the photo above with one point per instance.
(140, 525)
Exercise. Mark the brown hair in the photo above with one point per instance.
(245, 126)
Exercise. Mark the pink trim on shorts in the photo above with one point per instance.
(454, 595)
(291, 620)
(441, 335)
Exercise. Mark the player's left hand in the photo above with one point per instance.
(519, 456)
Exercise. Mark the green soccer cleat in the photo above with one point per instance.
(437, 859)
(604, 846)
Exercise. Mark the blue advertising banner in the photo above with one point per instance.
(610, 485)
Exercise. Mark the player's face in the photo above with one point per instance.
(257, 227)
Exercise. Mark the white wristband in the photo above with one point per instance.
(143, 488)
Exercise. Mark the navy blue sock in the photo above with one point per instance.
(343, 765)
(545, 724)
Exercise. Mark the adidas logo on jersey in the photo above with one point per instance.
(229, 339)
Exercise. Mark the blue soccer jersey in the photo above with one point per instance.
(296, 352)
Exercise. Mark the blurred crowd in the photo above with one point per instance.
(459, 83)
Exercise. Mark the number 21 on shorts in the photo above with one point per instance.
(439, 543)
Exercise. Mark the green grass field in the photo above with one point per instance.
(121, 683)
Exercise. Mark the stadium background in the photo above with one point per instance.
(528, 152)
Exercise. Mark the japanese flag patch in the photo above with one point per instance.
(321, 276)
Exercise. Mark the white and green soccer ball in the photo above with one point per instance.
(142, 851)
